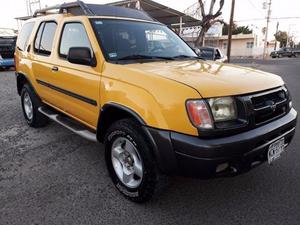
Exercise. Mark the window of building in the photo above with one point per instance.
(225, 45)
(250, 44)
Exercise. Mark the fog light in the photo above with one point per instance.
(290, 104)
(222, 167)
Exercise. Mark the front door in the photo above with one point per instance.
(78, 86)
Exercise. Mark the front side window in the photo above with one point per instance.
(24, 36)
(130, 40)
(74, 35)
(44, 38)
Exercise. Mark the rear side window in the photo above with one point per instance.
(44, 38)
(38, 37)
(24, 36)
(74, 35)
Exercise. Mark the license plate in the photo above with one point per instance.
(275, 150)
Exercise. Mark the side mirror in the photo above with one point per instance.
(82, 56)
(197, 51)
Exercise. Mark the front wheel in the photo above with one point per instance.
(129, 161)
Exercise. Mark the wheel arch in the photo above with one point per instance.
(112, 112)
(21, 80)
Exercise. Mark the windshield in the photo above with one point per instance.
(130, 40)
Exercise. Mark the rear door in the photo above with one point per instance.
(42, 60)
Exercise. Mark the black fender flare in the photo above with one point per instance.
(20, 77)
(165, 157)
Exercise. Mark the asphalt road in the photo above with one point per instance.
(51, 176)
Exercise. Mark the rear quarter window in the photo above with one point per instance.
(24, 36)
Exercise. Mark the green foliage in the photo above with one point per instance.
(236, 29)
(281, 36)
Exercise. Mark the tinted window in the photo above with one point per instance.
(24, 36)
(44, 39)
(121, 40)
(74, 35)
(38, 37)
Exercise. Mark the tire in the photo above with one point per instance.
(35, 119)
(127, 134)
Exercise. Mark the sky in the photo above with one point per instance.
(247, 12)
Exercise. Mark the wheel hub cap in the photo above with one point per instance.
(127, 162)
(28, 108)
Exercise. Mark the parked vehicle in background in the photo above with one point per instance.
(7, 49)
(212, 53)
(285, 52)
(117, 76)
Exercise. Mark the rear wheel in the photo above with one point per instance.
(129, 161)
(30, 105)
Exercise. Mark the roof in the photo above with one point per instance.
(162, 13)
(136, 9)
(4, 32)
(23, 18)
(80, 8)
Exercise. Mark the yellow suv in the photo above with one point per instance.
(117, 76)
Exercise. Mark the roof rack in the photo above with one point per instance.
(80, 8)
(77, 8)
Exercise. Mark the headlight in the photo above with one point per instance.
(223, 109)
(199, 114)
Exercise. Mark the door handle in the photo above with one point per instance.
(54, 68)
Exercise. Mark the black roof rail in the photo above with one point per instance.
(80, 8)
(76, 8)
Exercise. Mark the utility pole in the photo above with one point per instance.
(32, 5)
(230, 30)
(277, 26)
(267, 30)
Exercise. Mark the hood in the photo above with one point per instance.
(212, 79)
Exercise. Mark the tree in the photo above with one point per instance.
(281, 36)
(208, 19)
(236, 29)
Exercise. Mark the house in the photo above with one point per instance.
(242, 45)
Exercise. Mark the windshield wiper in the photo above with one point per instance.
(187, 57)
(132, 57)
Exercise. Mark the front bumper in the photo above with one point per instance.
(182, 154)
(7, 62)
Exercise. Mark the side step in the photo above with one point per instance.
(68, 123)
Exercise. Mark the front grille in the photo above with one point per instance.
(270, 105)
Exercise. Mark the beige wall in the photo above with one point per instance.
(238, 47)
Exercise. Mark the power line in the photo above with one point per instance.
(272, 18)
(254, 6)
